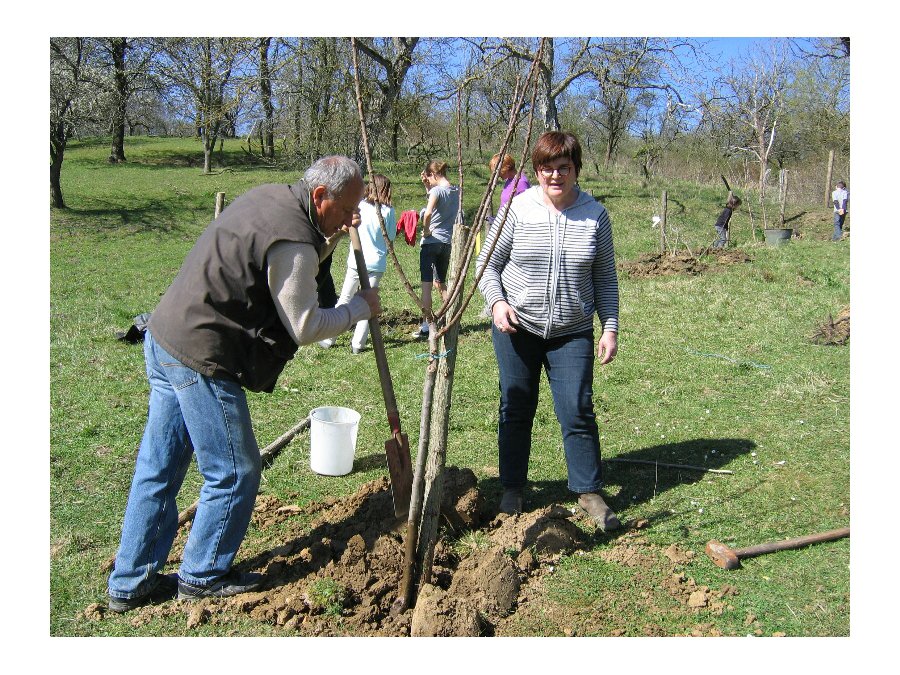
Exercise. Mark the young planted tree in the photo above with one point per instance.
(427, 491)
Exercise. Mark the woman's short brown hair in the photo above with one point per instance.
(506, 164)
(555, 145)
(382, 185)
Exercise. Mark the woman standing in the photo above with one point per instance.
(374, 250)
(437, 229)
(552, 269)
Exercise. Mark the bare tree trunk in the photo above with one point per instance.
(117, 50)
(828, 177)
(56, 195)
(440, 421)
(265, 92)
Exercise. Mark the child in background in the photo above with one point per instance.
(508, 174)
(374, 250)
(438, 219)
(724, 218)
(839, 197)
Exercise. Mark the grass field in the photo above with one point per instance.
(715, 369)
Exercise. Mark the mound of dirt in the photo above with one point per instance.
(661, 264)
(834, 331)
(340, 573)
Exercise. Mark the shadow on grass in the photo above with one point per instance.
(630, 481)
(156, 217)
(796, 217)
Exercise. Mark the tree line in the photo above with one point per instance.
(650, 103)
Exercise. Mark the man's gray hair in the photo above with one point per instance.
(333, 173)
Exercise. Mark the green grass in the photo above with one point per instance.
(783, 429)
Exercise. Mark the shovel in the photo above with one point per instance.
(397, 446)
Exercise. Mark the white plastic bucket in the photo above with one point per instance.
(332, 440)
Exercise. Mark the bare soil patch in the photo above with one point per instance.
(662, 264)
(339, 573)
(834, 330)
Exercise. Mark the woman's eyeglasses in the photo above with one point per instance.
(561, 171)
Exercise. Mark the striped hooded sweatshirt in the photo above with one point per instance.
(555, 269)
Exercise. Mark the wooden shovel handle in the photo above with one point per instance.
(797, 542)
(384, 373)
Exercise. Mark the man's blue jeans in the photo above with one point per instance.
(569, 363)
(188, 412)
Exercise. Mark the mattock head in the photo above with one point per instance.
(722, 556)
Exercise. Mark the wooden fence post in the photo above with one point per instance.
(220, 203)
(828, 177)
(662, 223)
(782, 191)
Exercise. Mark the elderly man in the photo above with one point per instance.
(243, 301)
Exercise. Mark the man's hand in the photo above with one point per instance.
(370, 295)
(607, 347)
(505, 318)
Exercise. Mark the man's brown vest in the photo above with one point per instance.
(218, 316)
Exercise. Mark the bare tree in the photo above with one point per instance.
(564, 61)
(394, 58)
(630, 73)
(265, 96)
(659, 131)
(752, 104)
(71, 84)
(207, 74)
(125, 68)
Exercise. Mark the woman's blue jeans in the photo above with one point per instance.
(569, 363)
(188, 412)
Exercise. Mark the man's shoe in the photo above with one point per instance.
(511, 501)
(421, 332)
(232, 583)
(164, 588)
(603, 516)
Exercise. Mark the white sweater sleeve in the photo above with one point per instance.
(292, 282)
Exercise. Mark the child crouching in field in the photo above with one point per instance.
(724, 218)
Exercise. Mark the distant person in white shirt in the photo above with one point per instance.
(840, 197)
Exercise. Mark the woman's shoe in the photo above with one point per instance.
(604, 517)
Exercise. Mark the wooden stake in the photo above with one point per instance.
(220, 203)
(662, 223)
(782, 189)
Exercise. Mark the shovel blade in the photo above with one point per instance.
(400, 470)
